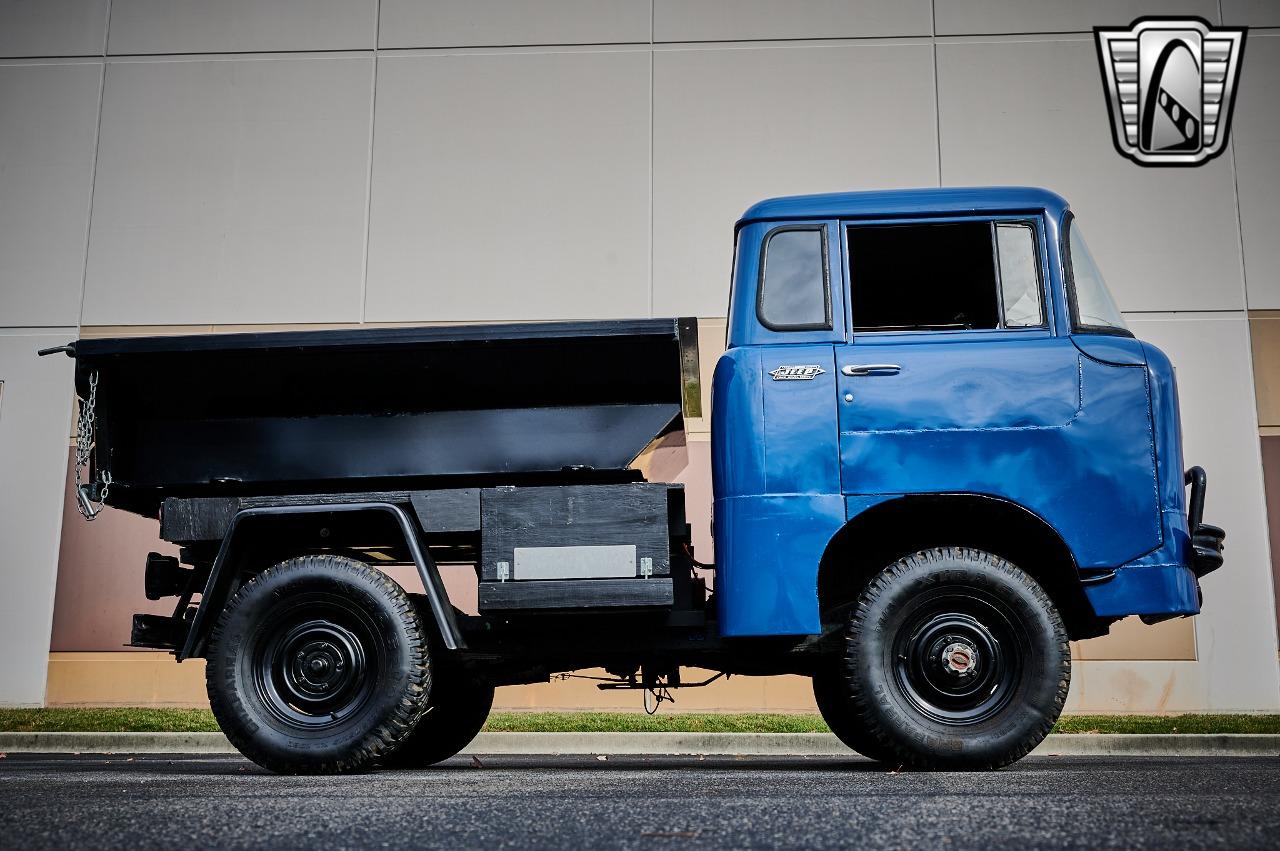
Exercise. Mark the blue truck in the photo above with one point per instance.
(938, 456)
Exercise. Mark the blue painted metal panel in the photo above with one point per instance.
(913, 203)
(1083, 431)
(1159, 582)
(1022, 418)
(1168, 590)
(778, 502)
(767, 554)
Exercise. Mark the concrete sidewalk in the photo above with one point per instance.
(663, 744)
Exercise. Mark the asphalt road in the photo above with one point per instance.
(188, 802)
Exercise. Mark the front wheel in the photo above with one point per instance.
(955, 659)
(318, 666)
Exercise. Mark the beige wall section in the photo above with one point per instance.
(145, 678)
(1271, 472)
(48, 129)
(100, 568)
(482, 23)
(536, 207)
(230, 190)
(35, 414)
(53, 27)
(1031, 112)
(1264, 333)
(717, 151)
(225, 26)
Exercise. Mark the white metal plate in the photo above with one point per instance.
(598, 562)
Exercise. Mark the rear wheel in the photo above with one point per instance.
(955, 659)
(458, 708)
(318, 666)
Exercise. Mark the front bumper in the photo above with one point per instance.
(1207, 541)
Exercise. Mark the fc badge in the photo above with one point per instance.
(1170, 84)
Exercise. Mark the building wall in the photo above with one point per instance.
(182, 165)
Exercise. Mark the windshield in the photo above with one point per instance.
(1091, 304)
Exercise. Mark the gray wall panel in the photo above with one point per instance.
(963, 17)
(1251, 13)
(460, 23)
(533, 206)
(53, 27)
(1255, 134)
(734, 125)
(715, 20)
(1034, 112)
(48, 127)
(200, 26)
(230, 191)
(1236, 633)
(35, 419)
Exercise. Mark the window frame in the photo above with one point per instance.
(829, 323)
(1031, 218)
(1069, 284)
(1040, 282)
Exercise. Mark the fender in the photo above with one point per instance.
(215, 594)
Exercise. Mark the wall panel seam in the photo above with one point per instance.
(93, 179)
(368, 181)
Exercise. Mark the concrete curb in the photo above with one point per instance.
(663, 744)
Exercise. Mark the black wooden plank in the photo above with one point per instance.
(275, 501)
(376, 337)
(448, 510)
(189, 520)
(575, 515)
(577, 594)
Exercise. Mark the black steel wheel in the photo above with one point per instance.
(955, 659)
(318, 665)
(459, 706)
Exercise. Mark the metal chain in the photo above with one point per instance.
(84, 452)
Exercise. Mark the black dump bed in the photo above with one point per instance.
(362, 409)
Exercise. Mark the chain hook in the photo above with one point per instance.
(89, 493)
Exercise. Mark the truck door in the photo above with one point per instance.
(953, 380)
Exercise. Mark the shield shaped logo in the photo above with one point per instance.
(1171, 84)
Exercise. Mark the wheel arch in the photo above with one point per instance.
(890, 530)
(250, 527)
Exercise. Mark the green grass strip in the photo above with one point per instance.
(129, 719)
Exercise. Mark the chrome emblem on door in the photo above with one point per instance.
(796, 373)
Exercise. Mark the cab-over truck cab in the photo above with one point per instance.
(938, 454)
(939, 380)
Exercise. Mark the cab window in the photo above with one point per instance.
(950, 276)
(1092, 308)
(795, 287)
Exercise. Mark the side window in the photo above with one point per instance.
(949, 276)
(1019, 275)
(795, 289)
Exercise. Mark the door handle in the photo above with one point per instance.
(871, 369)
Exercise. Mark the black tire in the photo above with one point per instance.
(318, 666)
(955, 659)
(458, 708)
(831, 693)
